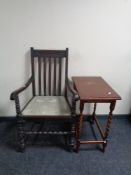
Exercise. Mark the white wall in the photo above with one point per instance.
(97, 32)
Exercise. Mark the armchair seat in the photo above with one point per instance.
(53, 106)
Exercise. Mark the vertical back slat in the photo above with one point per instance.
(44, 60)
(59, 78)
(66, 71)
(54, 76)
(33, 72)
(49, 76)
(39, 74)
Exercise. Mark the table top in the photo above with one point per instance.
(93, 89)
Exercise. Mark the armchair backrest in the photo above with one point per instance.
(49, 71)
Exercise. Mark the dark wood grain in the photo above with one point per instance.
(94, 88)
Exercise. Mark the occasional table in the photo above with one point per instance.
(94, 90)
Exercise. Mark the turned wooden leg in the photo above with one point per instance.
(112, 107)
(72, 137)
(81, 117)
(21, 135)
(93, 114)
(77, 135)
(79, 126)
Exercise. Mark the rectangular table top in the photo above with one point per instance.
(92, 89)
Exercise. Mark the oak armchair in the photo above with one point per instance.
(50, 97)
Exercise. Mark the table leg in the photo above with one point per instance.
(79, 126)
(112, 107)
(92, 118)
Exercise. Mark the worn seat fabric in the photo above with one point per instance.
(48, 106)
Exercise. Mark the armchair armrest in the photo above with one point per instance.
(15, 93)
(72, 90)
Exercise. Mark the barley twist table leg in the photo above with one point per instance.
(93, 114)
(112, 107)
(79, 126)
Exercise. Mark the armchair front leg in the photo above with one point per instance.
(74, 117)
(20, 121)
(74, 123)
(20, 126)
